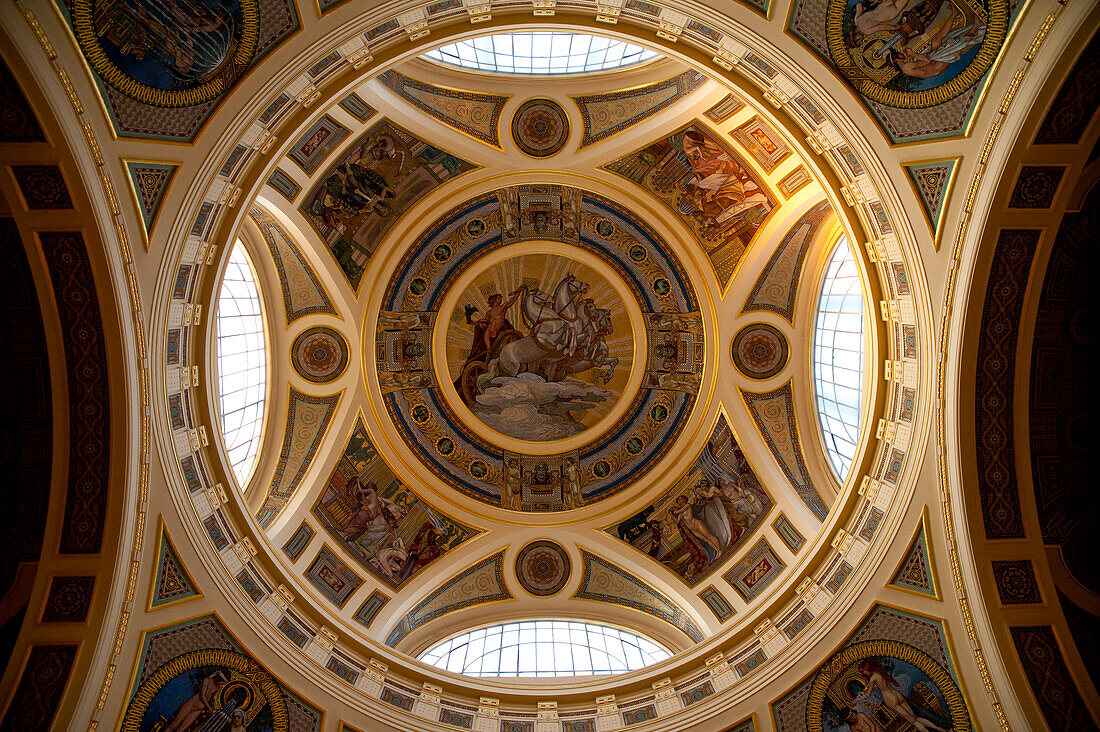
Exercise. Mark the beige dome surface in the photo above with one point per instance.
(550, 346)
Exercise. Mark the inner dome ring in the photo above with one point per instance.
(451, 304)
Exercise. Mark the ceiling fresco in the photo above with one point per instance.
(701, 179)
(390, 530)
(360, 196)
(910, 60)
(539, 347)
(706, 516)
(163, 67)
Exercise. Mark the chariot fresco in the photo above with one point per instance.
(539, 347)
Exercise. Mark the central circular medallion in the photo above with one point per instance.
(537, 347)
(540, 128)
(539, 344)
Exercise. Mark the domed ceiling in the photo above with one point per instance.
(435, 350)
(534, 285)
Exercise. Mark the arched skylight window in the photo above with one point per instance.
(544, 648)
(242, 364)
(541, 53)
(838, 357)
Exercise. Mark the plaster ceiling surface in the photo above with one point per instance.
(541, 347)
(536, 351)
(535, 306)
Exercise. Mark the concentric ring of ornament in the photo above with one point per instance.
(549, 481)
(543, 568)
(842, 670)
(760, 351)
(540, 128)
(872, 62)
(247, 682)
(319, 354)
(229, 36)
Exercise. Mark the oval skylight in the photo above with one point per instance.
(242, 364)
(544, 648)
(541, 53)
(838, 357)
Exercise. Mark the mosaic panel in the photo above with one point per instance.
(932, 182)
(471, 113)
(1016, 583)
(773, 414)
(996, 367)
(370, 608)
(708, 186)
(609, 113)
(356, 107)
(755, 571)
(894, 672)
(1075, 104)
(369, 187)
(41, 686)
(385, 525)
(298, 541)
(788, 534)
(18, 123)
(1050, 679)
(171, 583)
(1036, 186)
(606, 582)
(307, 421)
(27, 458)
(315, 144)
(68, 600)
(794, 181)
(1060, 412)
(760, 351)
(762, 142)
(717, 604)
(480, 584)
(777, 286)
(319, 354)
(162, 70)
(723, 109)
(284, 184)
(303, 293)
(185, 668)
(915, 572)
(543, 567)
(43, 187)
(918, 67)
(89, 394)
(332, 578)
(706, 516)
(518, 369)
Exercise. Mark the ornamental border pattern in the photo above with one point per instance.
(729, 53)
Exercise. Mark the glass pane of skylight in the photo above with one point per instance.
(242, 364)
(544, 648)
(541, 53)
(838, 358)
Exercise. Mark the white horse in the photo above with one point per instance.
(554, 331)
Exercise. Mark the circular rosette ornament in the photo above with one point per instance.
(540, 127)
(542, 568)
(319, 354)
(760, 351)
